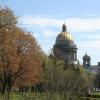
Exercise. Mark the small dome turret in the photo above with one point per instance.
(86, 57)
(86, 60)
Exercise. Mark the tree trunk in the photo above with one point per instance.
(3, 88)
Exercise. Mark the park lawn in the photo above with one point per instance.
(95, 93)
(35, 96)
(12, 97)
(26, 96)
(41, 96)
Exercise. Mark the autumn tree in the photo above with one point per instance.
(20, 54)
(7, 19)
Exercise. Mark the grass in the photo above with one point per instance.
(95, 93)
(42, 96)
(35, 96)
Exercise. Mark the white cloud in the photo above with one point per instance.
(89, 24)
(74, 24)
(44, 22)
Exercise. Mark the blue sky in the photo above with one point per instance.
(45, 18)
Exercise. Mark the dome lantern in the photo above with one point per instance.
(64, 29)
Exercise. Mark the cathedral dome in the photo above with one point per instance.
(64, 37)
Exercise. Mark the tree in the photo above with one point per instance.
(7, 19)
(97, 80)
(71, 82)
(20, 54)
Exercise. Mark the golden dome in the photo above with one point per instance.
(64, 35)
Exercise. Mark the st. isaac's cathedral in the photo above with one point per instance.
(66, 49)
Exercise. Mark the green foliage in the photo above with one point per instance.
(70, 81)
(39, 96)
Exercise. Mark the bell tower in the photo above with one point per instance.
(86, 60)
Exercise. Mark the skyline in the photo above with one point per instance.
(45, 20)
